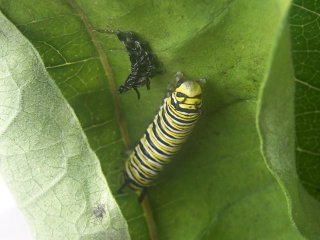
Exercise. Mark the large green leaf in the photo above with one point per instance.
(297, 170)
(302, 178)
(218, 186)
(45, 157)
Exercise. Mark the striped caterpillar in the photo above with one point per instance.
(164, 136)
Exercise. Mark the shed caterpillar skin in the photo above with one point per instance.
(144, 64)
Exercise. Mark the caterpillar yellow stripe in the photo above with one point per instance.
(165, 135)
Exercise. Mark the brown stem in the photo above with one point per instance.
(149, 218)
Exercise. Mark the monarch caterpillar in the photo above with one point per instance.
(164, 136)
(144, 64)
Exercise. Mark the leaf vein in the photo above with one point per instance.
(307, 84)
(306, 9)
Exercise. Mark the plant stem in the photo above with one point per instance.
(149, 218)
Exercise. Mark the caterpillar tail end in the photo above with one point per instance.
(142, 194)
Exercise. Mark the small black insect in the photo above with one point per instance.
(99, 211)
(144, 64)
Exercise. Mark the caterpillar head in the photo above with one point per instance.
(188, 95)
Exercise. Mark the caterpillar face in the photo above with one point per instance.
(188, 95)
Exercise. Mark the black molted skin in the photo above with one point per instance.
(144, 64)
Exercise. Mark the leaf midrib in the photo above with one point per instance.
(107, 71)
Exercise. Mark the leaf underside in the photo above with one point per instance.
(44, 155)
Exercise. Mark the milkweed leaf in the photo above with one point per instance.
(218, 186)
(44, 154)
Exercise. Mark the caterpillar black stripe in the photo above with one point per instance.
(165, 135)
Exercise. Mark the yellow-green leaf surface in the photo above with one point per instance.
(44, 155)
(218, 186)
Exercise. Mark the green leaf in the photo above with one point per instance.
(276, 118)
(45, 157)
(218, 186)
(302, 178)
(290, 120)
